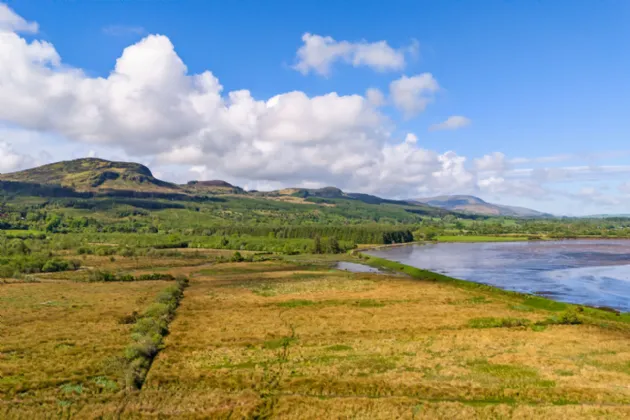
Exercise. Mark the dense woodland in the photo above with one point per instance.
(46, 234)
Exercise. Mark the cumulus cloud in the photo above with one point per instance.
(452, 123)
(411, 138)
(319, 53)
(10, 160)
(375, 97)
(519, 188)
(411, 95)
(494, 162)
(11, 22)
(149, 106)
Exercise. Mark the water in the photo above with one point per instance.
(589, 272)
(356, 268)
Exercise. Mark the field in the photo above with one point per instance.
(294, 338)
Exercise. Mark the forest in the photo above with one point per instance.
(48, 234)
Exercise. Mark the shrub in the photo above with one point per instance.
(155, 276)
(498, 322)
(568, 317)
(55, 265)
(98, 275)
(149, 331)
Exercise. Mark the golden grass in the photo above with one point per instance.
(58, 338)
(290, 340)
(297, 343)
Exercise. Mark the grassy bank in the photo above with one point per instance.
(601, 317)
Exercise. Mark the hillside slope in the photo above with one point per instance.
(472, 204)
(212, 187)
(93, 175)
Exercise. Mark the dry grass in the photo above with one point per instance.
(291, 340)
(59, 340)
(262, 339)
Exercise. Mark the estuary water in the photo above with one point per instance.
(589, 272)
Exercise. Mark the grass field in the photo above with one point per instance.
(297, 339)
(60, 341)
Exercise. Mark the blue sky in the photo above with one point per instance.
(541, 89)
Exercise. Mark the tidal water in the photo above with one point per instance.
(588, 272)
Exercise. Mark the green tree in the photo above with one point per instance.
(333, 245)
(317, 245)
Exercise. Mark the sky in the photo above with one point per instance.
(519, 102)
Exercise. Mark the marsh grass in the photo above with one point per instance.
(56, 340)
(290, 340)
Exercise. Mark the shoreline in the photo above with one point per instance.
(499, 240)
(427, 275)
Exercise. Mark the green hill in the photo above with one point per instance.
(92, 178)
(93, 175)
(212, 187)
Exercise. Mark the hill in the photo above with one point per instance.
(212, 187)
(475, 205)
(90, 179)
(93, 175)
(336, 193)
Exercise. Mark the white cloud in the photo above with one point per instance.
(411, 138)
(452, 123)
(10, 160)
(375, 97)
(150, 106)
(494, 162)
(319, 53)
(514, 188)
(412, 94)
(11, 22)
(625, 188)
(151, 109)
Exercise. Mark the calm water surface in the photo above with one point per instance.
(592, 272)
(356, 268)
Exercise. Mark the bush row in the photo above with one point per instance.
(149, 331)
(29, 264)
(108, 276)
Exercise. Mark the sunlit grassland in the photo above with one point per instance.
(295, 341)
(294, 338)
(58, 340)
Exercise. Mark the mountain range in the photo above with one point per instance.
(475, 205)
(93, 177)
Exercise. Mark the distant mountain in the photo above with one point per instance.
(90, 177)
(606, 216)
(475, 205)
(334, 192)
(93, 175)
